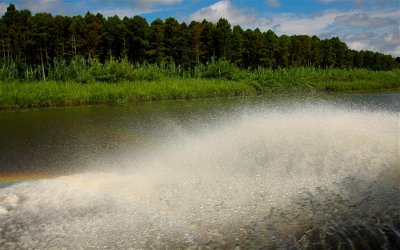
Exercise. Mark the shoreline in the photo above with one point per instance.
(52, 94)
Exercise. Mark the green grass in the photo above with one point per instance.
(86, 82)
(52, 93)
(325, 79)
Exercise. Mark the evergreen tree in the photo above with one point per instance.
(15, 40)
(173, 40)
(237, 46)
(138, 30)
(156, 52)
(75, 40)
(329, 56)
(284, 51)
(93, 31)
(316, 56)
(221, 37)
(62, 34)
(41, 38)
(207, 46)
(4, 40)
(183, 43)
(116, 36)
(196, 30)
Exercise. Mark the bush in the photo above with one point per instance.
(219, 69)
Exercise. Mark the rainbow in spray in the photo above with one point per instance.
(7, 179)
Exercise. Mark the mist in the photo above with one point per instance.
(284, 176)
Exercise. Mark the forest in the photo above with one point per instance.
(43, 39)
(48, 60)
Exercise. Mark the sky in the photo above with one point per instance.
(362, 24)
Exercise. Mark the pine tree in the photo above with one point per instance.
(156, 52)
(93, 34)
(138, 43)
(41, 38)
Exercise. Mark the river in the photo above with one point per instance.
(270, 171)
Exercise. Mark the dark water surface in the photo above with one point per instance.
(70, 140)
(310, 172)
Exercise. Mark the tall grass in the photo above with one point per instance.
(56, 93)
(325, 79)
(8, 71)
(87, 81)
(90, 70)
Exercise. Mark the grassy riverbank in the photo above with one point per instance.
(86, 82)
(41, 94)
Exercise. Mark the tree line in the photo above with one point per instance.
(42, 38)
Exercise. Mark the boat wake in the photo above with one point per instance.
(298, 177)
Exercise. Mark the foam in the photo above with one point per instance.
(206, 186)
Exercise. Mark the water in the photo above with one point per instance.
(271, 172)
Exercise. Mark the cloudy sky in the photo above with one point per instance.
(362, 24)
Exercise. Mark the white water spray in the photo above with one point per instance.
(207, 188)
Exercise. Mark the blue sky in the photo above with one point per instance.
(362, 24)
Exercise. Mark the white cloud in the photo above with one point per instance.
(386, 41)
(376, 30)
(139, 3)
(362, 29)
(129, 12)
(225, 9)
(131, 8)
(363, 19)
(81, 7)
(53, 6)
(3, 8)
(122, 12)
(44, 5)
(392, 42)
(273, 3)
(155, 2)
(292, 24)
